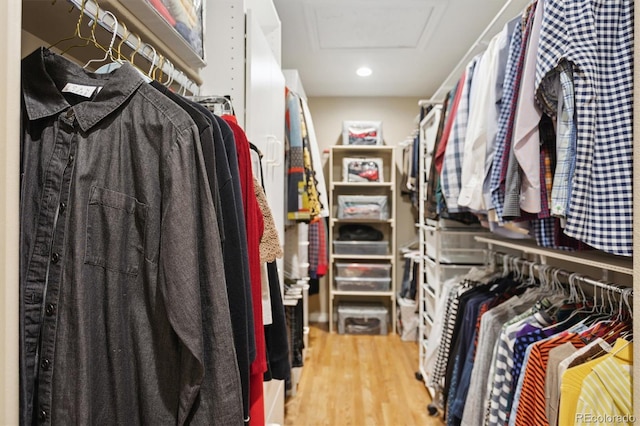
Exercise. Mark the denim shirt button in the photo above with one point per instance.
(63, 207)
(42, 416)
(50, 309)
(55, 257)
(45, 364)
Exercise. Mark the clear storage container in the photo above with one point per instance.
(359, 248)
(455, 246)
(438, 274)
(374, 207)
(363, 270)
(361, 318)
(363, 284)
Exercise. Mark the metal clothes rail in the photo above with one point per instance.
(611, 287)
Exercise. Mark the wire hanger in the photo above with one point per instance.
(77, 34)
(109, 51)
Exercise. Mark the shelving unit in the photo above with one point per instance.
(385, 187)
(446, 248)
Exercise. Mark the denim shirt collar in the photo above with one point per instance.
(45, 73)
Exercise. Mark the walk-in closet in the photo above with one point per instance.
(306, 212)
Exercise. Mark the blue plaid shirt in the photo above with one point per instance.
(451, 175)
(501, 144)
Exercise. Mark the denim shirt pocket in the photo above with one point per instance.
(115, 231)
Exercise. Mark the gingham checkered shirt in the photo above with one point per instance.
(598, 38)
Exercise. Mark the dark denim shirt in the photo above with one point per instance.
(124, 313)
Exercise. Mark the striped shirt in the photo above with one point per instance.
(437, 378)
(572, 379)
(607, 391)
(531, 406)
(501, 388)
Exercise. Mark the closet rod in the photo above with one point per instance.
(586, 280)
(502, 17)
(92, 10)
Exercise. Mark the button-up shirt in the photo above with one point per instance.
(597, 37)
(124, 315)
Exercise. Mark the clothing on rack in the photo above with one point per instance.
(278, 363)
(304, 202)
(216, 138)
(530, 134)
(122, 275)
(194, 347)
(255, 226)
(496, 337)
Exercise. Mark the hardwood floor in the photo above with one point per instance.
(359, 380)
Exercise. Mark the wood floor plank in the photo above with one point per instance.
(359, 380)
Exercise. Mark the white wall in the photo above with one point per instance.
(398, 116)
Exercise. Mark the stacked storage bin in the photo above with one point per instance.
(362, 291)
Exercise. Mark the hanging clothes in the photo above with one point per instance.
(121, 273)
(553, 153)
(490, 349)
(255, 227)
(297, 197)
(219, 166)
(603, 152)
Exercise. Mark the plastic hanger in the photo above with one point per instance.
(170, 74)
(154, 58)
(109, 51)
(120, 58)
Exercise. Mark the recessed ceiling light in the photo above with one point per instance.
(364, 71)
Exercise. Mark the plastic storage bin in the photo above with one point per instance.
(374, 207)
(455, 246)
(362, 132)
(363, 270)
(358, 248)
(362, 318)
(363, 284)
(362, 169)
(438, 274)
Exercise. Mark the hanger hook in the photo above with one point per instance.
(109, 51)
(556, 284)
(612, 307)
(170, 74)
(94, 23)
(115, 28)
(153, 58)
(159, 68)
(626, 294)
(79, 23)
(573, 293)
(125, 36)
(137, 48)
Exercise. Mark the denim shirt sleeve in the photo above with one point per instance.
(192, 281)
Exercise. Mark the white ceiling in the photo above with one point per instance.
(411, 45)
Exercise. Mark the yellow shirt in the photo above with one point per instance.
(606, 397)
(571, 385)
